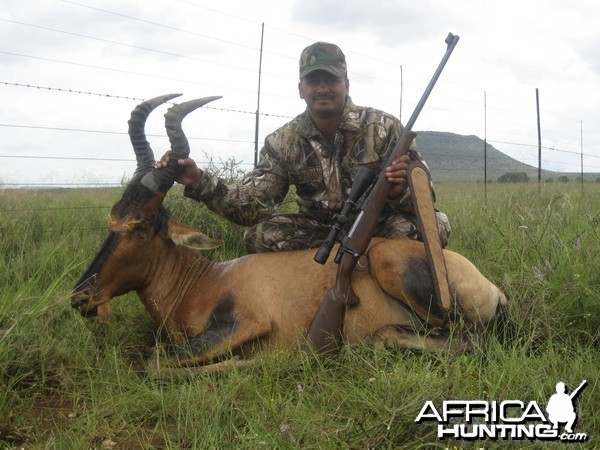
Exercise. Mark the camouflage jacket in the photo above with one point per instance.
(322, 168)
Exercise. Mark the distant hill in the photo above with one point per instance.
(454, 157)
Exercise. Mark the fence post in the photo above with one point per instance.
(262, 35)
(539, 131)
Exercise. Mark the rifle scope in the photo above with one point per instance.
(362, 182)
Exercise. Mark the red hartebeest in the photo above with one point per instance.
(259, 301)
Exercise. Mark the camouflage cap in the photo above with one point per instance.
(323, 56)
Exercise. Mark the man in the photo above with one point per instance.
(560, 408)
(319, 152)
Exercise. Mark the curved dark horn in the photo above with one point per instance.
(161, 180)
(143, 152)
(180, 147)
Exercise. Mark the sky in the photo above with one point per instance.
(72, 70)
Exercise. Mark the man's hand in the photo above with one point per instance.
(190, 174)
(396, 174)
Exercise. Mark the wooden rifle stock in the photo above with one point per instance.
(325, 333)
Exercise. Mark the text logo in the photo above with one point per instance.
(508, 419)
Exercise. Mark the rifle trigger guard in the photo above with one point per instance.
(362, 264)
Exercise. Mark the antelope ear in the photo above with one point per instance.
(183, 235)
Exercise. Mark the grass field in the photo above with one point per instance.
(71, 383)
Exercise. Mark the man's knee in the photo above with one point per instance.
(262, 238)
(283, 233)
(444, 228)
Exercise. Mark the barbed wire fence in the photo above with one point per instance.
(246, 165)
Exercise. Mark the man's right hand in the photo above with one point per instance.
(190, 174)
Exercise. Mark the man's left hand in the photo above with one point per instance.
(396, 174)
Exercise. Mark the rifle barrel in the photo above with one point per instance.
(451, 40)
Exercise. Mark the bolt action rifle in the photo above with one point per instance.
(325, 333)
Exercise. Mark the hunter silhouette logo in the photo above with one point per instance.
(560, 407)
(507, 419)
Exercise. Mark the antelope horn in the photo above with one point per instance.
(143, 152)
(180, 147)
(162, 179)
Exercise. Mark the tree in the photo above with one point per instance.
(513, 177)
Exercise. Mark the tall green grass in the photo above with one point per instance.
(69, 382)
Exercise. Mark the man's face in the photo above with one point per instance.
(324, 93)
